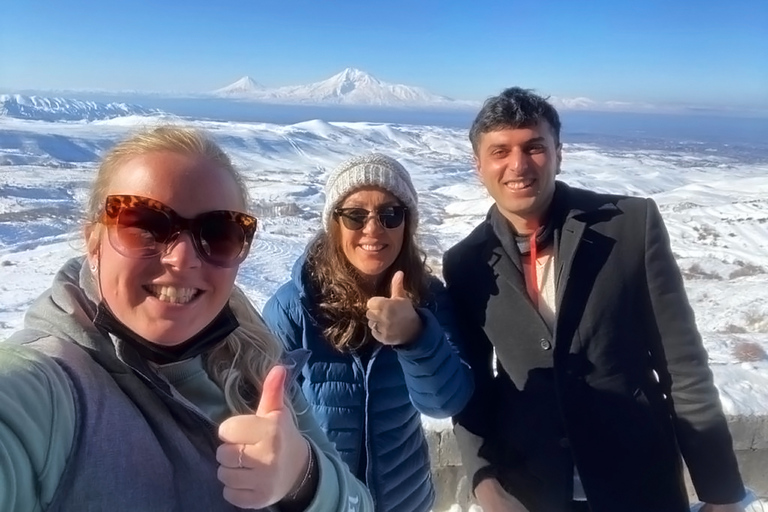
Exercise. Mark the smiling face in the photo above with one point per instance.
(518, 168)
(168, 298)
(373, 249)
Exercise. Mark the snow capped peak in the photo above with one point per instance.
(348, 82)
(245, 85)
(353, 75)
(63, 109)
(353, 72)
(351, 86)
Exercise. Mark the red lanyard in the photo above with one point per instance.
(534, 286)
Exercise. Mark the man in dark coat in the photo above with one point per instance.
(591, 377)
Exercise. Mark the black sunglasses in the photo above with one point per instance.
(140, 227)
(355, 219)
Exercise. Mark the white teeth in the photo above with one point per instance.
(519, 185)
(172, 294)
(367, 247)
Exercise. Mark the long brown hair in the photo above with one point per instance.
(340, 298)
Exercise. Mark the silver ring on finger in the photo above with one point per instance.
(240, 456)
(375, 326)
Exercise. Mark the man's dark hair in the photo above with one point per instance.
(513, 108)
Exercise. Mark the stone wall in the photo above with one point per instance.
(750, 442)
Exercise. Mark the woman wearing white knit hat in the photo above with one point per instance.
(379, 328)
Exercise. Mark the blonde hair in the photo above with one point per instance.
(175, 139)
(240, 362)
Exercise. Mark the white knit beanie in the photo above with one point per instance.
(374, 169)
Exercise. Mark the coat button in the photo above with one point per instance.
(545, 344)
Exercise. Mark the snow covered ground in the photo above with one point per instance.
(715, 203)
(716, 209)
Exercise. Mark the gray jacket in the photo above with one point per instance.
(136, 443)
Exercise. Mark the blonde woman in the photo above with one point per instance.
(144, 379)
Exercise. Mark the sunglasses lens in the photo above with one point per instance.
(221, 239)
(392, 217)
(354, 218)
(140, 231)
(139, 227)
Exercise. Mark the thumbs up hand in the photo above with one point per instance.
(392, 320)
(263, 457)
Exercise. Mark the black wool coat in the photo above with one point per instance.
(621, 388)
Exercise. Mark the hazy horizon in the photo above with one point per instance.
(711, 55)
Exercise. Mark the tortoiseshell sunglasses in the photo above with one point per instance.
(140, 227)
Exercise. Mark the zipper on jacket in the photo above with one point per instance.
(356, 361)
(370, 481)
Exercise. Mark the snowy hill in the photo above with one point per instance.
(714, 201)
(350, 87)
(60, 109)
(242, 87)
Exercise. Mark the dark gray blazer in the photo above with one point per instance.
(621, 388)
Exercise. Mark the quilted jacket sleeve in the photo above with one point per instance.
(338, 490)
(439, 381)
(282, 317)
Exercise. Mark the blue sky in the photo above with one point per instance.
(660, 51)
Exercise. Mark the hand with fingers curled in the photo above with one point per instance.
(263, 458)
(393, 320)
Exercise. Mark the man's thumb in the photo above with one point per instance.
(397, 288)
(273, 391)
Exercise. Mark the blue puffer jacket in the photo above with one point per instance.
(376, 407)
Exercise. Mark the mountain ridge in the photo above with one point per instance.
(41, 108)
(351, 86)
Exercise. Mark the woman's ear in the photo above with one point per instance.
(93, 262)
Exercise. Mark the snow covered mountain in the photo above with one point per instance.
(355, 87)
(350, 87)
(242, 87)
(60, 109)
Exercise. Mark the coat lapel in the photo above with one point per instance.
(505, 267)
(581, 255)
(511, 273)
(572, 233)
